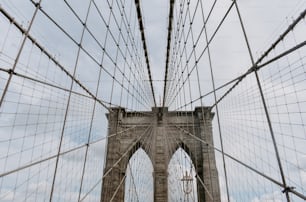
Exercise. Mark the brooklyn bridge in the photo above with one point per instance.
(142, 101)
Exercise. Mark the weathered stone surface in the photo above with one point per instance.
(160, 133)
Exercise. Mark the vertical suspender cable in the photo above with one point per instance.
(26, 35)
(264, 105)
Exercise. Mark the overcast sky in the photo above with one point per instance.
(39, 110)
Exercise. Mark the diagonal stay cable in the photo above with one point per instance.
(287, 52)
(26, 33)
(63, 153)
(118, 187)
(264, 105)
(255, 67)
(203, 50)
(118, 161)
(87, 52)
(125, 153)
(53, 59)
(288, 188)
(133, 181)
(141, 27)
(178, 142)
(195, 43)
(205, 187)
(49, 158)
(10, 71)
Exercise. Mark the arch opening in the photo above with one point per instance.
(182, 183)
(139, 178)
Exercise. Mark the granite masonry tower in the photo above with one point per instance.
(160, 133)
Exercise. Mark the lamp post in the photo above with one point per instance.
(187, 183)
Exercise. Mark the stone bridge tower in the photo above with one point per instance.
(160, 133)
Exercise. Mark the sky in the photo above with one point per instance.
(31, 118)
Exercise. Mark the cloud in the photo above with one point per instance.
(32, 115)
(270, 197)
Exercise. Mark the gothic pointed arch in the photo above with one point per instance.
(182, 182)
(139, 187)
(159, 133)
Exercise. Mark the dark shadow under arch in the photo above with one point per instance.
(184, 146)
(136, 147)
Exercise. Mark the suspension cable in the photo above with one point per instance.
(141, 27)
(170, 19)
(288, 189)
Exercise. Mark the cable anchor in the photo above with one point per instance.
(288, 189)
